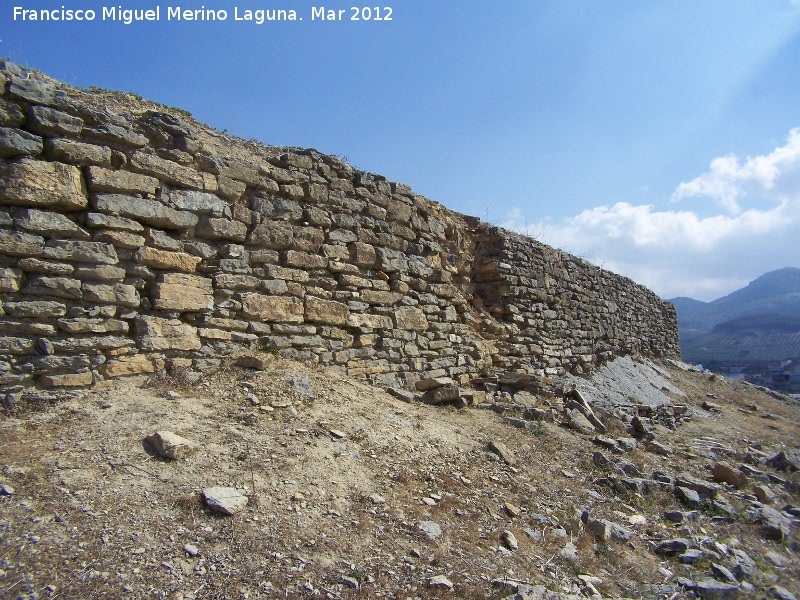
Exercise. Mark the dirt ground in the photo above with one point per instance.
(358, 494)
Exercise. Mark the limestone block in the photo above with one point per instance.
(80, 251)
(391, 261)
(42, 309)
(199, 202)
(134, 364)
(17, 142)
(303, 260)
(397, 211)
(67, 380)
(78, 153)
(362, 254)
(115, 293)
(94, 219)
(221, 229)
(99, 273)
(10, 114)
(230, 188)
(170, 445)
(272, 234)
(214, 334)
(120, 239)
(362, 320)
(151, 212)
(10, 279)
(15, 345)
(58, 287)
(47, 364)
(31, 89)
(86, 325)
(50, 122)
(236, 282)
(29, 182)
(19, 243)
(123, 182)
(181, 292)
(308, 239)
(115, 134)
(380, 298)
(169, 171)
(280, 309)
(49, 223)
(412, 319)
(164, 259)
(155, 333)
(328, 312)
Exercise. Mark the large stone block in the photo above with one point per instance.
(85, 325)
(40, 309)
(410, 318)
(328, 312)
(169, 171)
(29, 182)
(391, 261)
(58, 287)
(10, 279)
(151, 212)
(19, 243)
(184, 293)
(199, 202)
(365, 320)
(17, 142)
(155, 333)
(272, 234)
(124, 366)
(303, 260)
(50, 122)
(123, 182)
(164, 259)
(279, 309)
(93, 219)
(362, 254)
(79, 251)
(15, 345)
(221, 229)
(78, 153)
(113, 293)
(49, 223)
(67, 380)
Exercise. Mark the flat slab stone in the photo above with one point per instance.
(225, 500)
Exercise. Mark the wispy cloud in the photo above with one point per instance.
(678, 252)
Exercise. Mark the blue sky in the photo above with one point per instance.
(656, 139)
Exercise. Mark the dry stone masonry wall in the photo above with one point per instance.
(135, 240)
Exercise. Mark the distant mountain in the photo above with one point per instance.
(759, 322)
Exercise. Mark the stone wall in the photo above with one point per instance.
(134, 239)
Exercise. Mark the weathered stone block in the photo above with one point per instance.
(221, 229)
(303, 260)
(199, 202)
(29, 182)
(135, 364)
(329, 312)
(78, 153)
(116, 293)
(412, 319)
(120, 239)
(15, 345)
(169, 171)
(370, 321)
(94, 219)
(380, 298)
(79, 251)
(151, 212)
(48, 223)
(155, 333)
(49, 121)
(280, 309)
(19, 243)
(230, 188)
(236, 282)
(17, 142)
(272, 234)
(67, 380)
(10, 114)
(10, 279)
(83, 325)
(184, 293)
(390, 261)
(164, 259)
(42, 309)
(123, 182)
(362, 254)
(58, 287)
(99, 273)
(308, 239)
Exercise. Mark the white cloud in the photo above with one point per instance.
(678, 252)
(728, 181)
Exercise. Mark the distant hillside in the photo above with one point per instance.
(758, 322)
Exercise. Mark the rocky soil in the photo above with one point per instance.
(670, 483)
